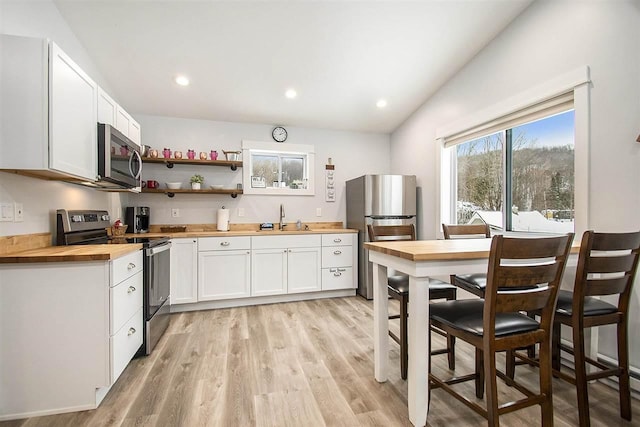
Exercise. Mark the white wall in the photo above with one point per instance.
(352, 153)
(41, 198)
(547, 40)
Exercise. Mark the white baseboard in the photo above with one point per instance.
(271, 299)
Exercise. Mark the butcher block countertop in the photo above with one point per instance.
(70, 253)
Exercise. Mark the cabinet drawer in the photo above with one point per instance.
(125, 266)
(124, 344)
(224, 243)
(337, 256)
(125, 299)
(286, 241)
(343, 239)
(337, 278)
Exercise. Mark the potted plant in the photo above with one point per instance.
(196, 181)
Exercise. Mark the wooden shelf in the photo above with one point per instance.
(170, 162)
(169, 192)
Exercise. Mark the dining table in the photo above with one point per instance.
(420, 260)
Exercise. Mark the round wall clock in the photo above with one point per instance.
(279, 134)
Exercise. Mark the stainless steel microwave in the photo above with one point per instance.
(119, 161)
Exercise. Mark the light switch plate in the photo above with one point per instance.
(18, 212)
(240, 212)
(6, 212)
(318, 211)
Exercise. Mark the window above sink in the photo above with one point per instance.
(278, 169)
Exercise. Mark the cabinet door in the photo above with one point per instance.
(123, 121)
(134, 132)
(224, 274)
(184, 271)
(304, 270)
(269, 272)
(107, 108)
(73, 104)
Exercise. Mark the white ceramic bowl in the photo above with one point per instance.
(217, 186)
(174, 185)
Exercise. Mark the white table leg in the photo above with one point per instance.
(418, 382)
(380, 322)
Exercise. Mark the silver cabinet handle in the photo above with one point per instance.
(289, 250)
(131, 289)
(224, 243)
(131, 331)
(342, 269)
(337, 240)
(131, 266)
(337, 252)
(331, 270)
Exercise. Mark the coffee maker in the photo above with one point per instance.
(137, 217)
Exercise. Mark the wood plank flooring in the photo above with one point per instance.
(294, 364)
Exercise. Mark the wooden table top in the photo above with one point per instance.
(442, 250)
(71, 253)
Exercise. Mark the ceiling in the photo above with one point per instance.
(340, 56)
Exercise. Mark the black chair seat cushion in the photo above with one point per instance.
(399, 284)
(466, 315)
(477, 281)
(592, 306)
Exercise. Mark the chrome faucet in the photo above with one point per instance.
(282, 224)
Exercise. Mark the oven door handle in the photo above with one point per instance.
(158, 249)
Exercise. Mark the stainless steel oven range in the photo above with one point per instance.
(85, 227)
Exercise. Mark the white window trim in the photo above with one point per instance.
(577, 80)
(304, 149)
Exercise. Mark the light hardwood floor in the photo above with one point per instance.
(294, 364)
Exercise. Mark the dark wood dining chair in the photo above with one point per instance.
(398, 289)
(607, 266)
(523, 275)
(473, 283)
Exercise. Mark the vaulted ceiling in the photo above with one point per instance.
(341, 57)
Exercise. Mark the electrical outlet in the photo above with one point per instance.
(318, 211)
(6, 212)
(240, 211)
(175, 213)
(18, 212)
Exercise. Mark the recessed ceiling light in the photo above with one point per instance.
(290, 93)
(381, 103)
(182, 80)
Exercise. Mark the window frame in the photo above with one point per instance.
(578, 81)
(307, 152)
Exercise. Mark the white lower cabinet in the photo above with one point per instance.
(72, 327)
(184, 271)
(338, 260)
(285, 264)
(224, 271)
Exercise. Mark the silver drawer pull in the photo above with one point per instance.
(331, 270)
(131, 331)
(337, 240)
(131, 289)
(342, 269)
(224, 243)
(131, 266)
(337, 252)
(337, 274)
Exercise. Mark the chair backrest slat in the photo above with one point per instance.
(618, 264)
(523, 276)
(391, 232)
(599, 287)
(531, 282)
(466, 231)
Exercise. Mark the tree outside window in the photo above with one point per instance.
(531, 166)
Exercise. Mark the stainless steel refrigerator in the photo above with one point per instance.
(378, 200)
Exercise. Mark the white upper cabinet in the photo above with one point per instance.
(107, 108)
(109, 112)
(49, 111)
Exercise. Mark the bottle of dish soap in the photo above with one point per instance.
(298, 225)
